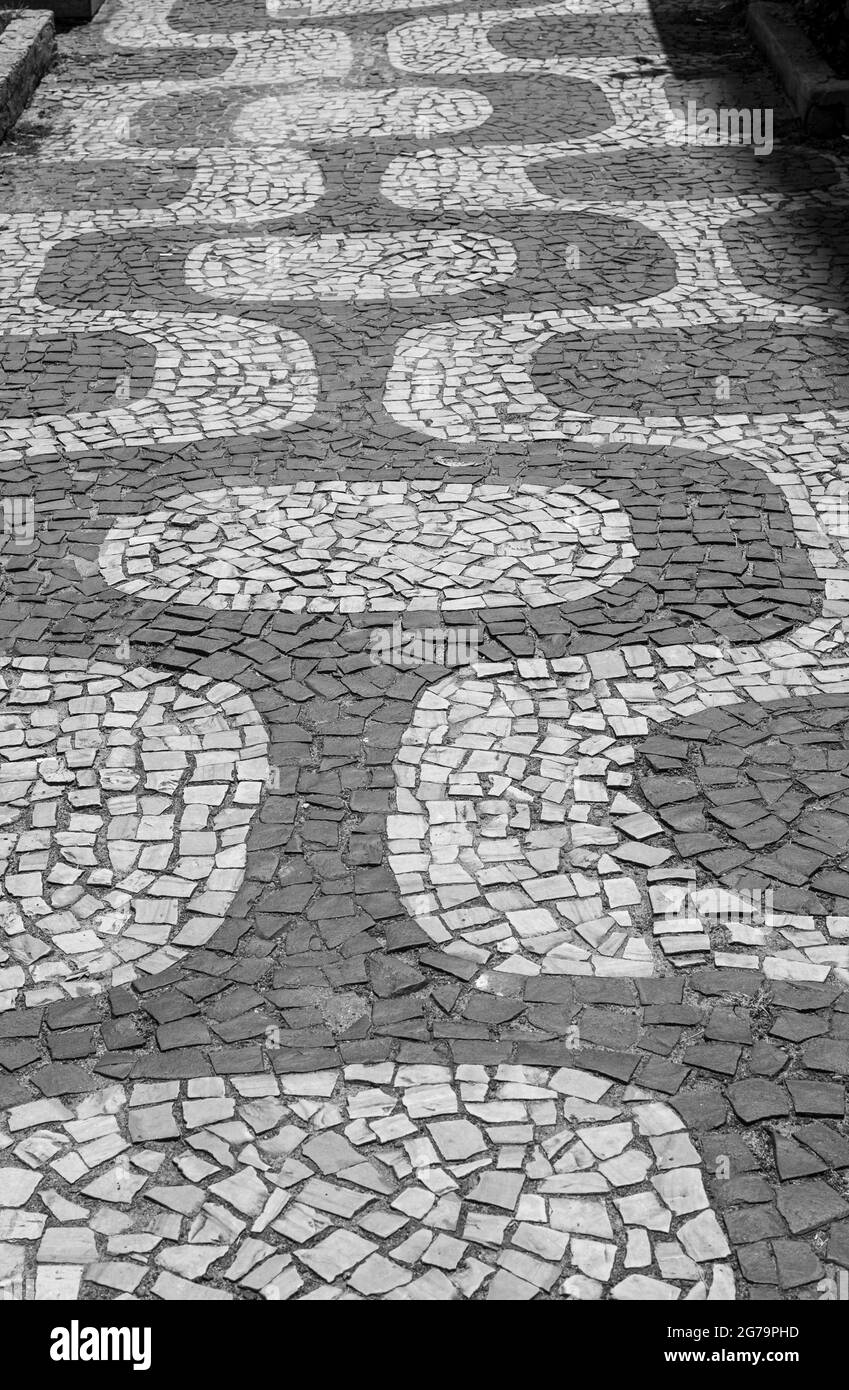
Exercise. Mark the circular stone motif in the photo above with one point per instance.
(384, 547)
(125, 802)
(759, 795)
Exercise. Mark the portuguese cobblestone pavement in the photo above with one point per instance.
(333, 965)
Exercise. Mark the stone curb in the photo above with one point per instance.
(66, 11)
(27, 48)
(820, 98)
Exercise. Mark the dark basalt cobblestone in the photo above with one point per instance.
(671, 174)
(766, 371)
(87, 185)
(775, 258)
(211, 17)
(772, 782)
(614, 36)
(98, 361)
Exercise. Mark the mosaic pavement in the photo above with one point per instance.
(424, 749)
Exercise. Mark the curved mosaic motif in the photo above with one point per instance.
(494, 837)
(366, 267)
(761, 795)
(326, 973)
(265, 380)
(478, 264)
(369, 547)
(522, 842)
(126, 803)
(475, 379)
(147, 190)
(777, 253)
